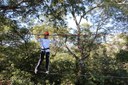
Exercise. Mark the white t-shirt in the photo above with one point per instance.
(45, 43)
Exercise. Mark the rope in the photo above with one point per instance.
(65, 35)
(55, 34)
(84, 75)
(122, 77)
(115, 77)
(62, 35)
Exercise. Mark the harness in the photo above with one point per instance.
(44, 49)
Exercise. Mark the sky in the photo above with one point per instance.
(71, 23)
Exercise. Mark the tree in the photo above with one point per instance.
(99, 20)
(14, 48)
(90, 10)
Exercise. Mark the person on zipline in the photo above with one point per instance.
(45, 51)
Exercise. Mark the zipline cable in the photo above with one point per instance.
(86, 75)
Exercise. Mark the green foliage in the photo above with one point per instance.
(122, 56)
(21, 77)
(18, 62)
(19, 55)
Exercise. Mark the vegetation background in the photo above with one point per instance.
(91, 53)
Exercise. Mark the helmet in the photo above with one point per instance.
(46, 33)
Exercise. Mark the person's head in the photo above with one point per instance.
(46, 34)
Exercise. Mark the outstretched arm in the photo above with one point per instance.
(54, 40)
(38, 38)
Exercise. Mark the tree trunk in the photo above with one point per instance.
(79, 75)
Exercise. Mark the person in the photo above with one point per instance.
(45, 51)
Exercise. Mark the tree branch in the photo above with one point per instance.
(8, 7)
(16, 6)
(74, 55)
(99, 5)
(95, 36)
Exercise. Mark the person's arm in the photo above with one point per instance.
(38, 38)
(54, 40)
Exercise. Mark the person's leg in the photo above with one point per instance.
(47, 60)
(39, 61)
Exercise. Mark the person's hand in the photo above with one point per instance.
(54, 36)
(38, 36)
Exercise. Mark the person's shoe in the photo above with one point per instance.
(35, 71)
(47, 72)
